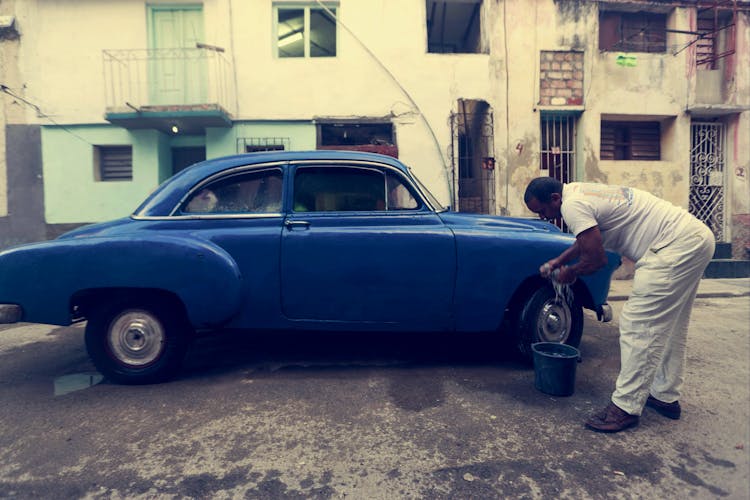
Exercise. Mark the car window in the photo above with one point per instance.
(400, 196)
(251, 192)
(338, 189)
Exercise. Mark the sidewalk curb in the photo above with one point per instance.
(704, 295)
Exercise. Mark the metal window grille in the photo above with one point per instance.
(256, 144)
(114, 163)
(558, 148)
(633, 32)
(707, 175)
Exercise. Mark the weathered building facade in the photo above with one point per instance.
(478, 96)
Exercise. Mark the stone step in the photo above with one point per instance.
(727, 268)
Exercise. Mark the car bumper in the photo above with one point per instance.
(604, 313)
(10, 313)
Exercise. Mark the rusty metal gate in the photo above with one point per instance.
(707, 175)
(473, 157)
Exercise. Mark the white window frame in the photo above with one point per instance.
(306, 6)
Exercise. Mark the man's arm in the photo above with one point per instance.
(589, 248)
(571, 253)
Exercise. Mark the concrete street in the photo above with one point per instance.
(372, 416)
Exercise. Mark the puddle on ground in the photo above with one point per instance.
(76, 382)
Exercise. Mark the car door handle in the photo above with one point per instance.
(292, 224)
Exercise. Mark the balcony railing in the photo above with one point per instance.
(168, 80)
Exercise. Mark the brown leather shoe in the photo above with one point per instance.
(611, 419)
(669, 410)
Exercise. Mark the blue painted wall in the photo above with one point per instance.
(72, 195)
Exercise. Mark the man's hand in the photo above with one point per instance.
(564, 275)
(548, 267)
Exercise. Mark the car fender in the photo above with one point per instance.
(43, 277)
(494, 265)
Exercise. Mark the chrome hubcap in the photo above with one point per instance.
(136, 338)
(553, 324)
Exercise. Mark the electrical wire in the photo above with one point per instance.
(446, 169)
(5, 89)
(507, 110)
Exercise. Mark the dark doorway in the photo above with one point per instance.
(372, 137)
(185, 156)
(473, 157)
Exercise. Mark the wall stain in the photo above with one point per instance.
(572, 10)
(523, 166)
(591, 170)
(573, 43)
(676, 178)
(657, 184)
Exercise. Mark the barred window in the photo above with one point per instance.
(632, 32)
(630, 141)
(113, 163)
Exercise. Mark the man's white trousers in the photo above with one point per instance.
(654, 320)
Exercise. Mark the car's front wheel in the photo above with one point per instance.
(547, 316)
(132, 343)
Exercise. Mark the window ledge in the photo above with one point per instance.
(716, 109)
(562, 108)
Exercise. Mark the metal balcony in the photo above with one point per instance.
(182, 90)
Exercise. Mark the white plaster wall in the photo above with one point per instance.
(63, 70)
(370, 77)
(738, 163)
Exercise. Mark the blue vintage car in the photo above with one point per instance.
(322, 240)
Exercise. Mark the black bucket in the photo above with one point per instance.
(555, 368)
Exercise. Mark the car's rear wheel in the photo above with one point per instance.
(547, 316)
(133, 343)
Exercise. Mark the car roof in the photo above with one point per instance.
(171, 191)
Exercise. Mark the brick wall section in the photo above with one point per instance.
(561, 78)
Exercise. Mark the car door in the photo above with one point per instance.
(361, 246)
(241, 211)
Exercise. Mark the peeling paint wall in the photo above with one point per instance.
(657, 87)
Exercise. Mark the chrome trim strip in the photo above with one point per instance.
(207, 216)
(280, 164)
